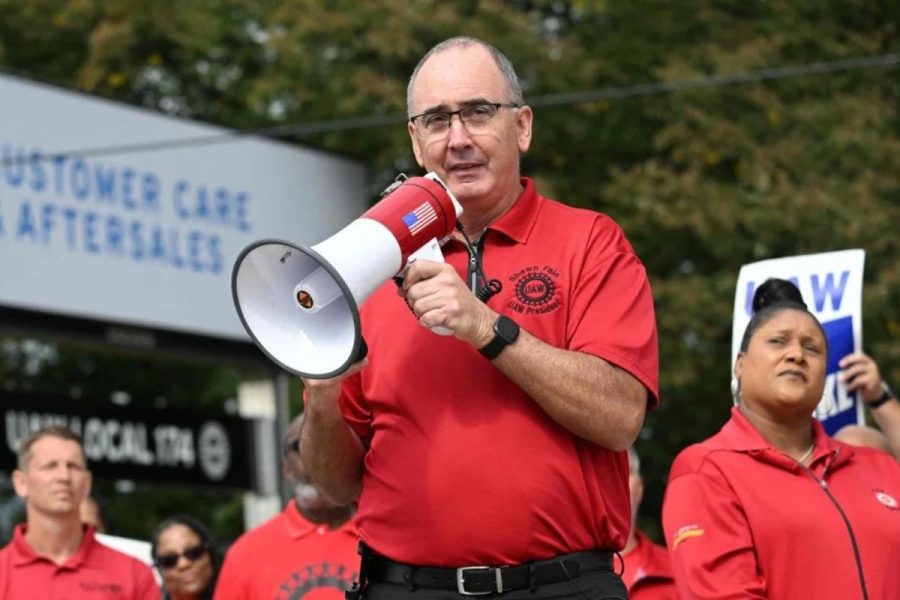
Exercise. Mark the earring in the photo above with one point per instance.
(736, 390)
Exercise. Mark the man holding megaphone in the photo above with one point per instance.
(492, 460)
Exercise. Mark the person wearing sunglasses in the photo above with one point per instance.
(183, 552)
(492, 460)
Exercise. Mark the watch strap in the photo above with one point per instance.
(493, 348)
(885, 397)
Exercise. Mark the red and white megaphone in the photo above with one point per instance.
(301, 305)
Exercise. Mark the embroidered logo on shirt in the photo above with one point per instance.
(314, 577)
(536, 290)
(686, 532)
(886, 499)
(102, 587)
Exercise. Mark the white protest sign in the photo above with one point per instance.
(831, 284)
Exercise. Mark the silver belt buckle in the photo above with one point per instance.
(461, 581)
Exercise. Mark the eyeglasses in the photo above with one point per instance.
(475, 117)
(169, 560)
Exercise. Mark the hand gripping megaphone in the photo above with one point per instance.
(301, 305)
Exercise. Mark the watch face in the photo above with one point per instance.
(507, 329)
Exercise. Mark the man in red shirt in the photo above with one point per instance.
(504, 443)
(53, 555)
(648, 570)
(310, 546)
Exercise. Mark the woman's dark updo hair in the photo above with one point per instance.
(770, 298)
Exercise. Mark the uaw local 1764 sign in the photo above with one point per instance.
(831, 284)
(167, 446)
(106, 214)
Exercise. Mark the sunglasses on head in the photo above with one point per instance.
(169, 560)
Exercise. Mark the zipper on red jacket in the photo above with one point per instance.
(824, 487)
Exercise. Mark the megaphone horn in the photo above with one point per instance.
(301, 305)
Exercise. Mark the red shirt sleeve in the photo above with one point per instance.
(709, 540)
(356, 411)
(612, 314)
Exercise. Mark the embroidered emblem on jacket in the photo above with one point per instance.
(536, 290)
(886, 499)
(684, 533)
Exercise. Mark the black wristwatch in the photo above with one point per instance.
(887, 395)
(505, 333)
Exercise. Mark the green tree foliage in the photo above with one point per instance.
(702, 180)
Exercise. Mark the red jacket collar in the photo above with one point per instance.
(23, 553)
(517, 222)
(739, 434)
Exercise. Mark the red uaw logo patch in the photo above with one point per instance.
(886, 499)
(536, 290)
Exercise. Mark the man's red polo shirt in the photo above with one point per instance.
(289, 557)
(463, 467)
(95, 572)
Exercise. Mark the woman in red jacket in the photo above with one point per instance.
(771, 507)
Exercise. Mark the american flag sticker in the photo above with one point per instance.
(420, 218)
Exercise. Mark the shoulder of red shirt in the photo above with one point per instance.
(289, 522)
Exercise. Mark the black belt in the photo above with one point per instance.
(479, 581)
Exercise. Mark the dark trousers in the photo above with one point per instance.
(602, 585)
(592, 578)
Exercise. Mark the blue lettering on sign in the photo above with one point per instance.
(38, 174)
(81, 180)
(90, 232)
(179, 192)
(110, 235)
(105, 180)
(14, 167)
(136, 236)
(71, 216)
(115, 235)
(751, 289)
(26, 228)
(58, 162)
(48, 220)
(823, 288)
(211, 206)
(128, 188)
(821, 291)
(115, 210)
(839, 407)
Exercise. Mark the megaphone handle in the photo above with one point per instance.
(363, 350)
